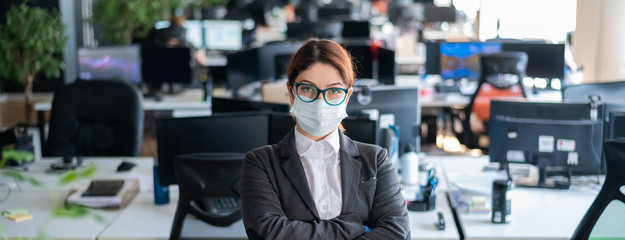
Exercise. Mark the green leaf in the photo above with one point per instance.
(71, 211)
(68, 177)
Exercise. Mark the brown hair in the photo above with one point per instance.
(177, 21)
(321, 51)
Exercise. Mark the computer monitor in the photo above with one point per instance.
(356, 29)
(383, 70)
(320, 29)
(462, 59)
(544, 60)
(119, 62)
(432, 13)
(256, 64)
(236, 132)
(194, 31)
(607, 91)
(223, 34)
(400, 102)
(562, 134)
(432, 58)
(162, 64)
(616, 125)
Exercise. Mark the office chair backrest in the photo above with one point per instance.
(604, 218)
(500, 78)
(205, 179)
(96, 118)
(501, 75)
(608, 91)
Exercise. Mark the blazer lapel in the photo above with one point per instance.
(292, 167)
(350, 172)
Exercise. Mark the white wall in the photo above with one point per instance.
(599, 40)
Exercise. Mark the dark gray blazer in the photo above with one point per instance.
(277, 203)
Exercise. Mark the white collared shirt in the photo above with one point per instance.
(323, 172)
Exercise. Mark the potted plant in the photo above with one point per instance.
(30, 43)
(123, 20)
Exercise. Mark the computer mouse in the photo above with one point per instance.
(125, 166)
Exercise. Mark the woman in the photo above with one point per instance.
(317, 183)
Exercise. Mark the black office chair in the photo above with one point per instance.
(96, 118)
(501, 78)
(608, 91)
(611, 194)
(209, 188)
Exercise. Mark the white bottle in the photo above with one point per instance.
(410, 167)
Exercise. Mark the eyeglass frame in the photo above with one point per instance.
(323, 92)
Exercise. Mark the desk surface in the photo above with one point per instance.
(535, 213)
(142, 219)
(190, 99)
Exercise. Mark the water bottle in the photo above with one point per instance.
(410, 166)
(161, 193)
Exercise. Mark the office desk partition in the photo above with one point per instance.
(535, 213)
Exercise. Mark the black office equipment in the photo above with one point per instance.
(234, 132)
(544, 60)
(399, 101)
(224, 105)
(356, 29)
(610, 199)
(125, 166)
(167, 65)
(209, 189)
(256, 64)
(548, 134)
(432, 58)
(110, 63)
(616, 125)
(96, 118)
(432, 13)
(320, 29)
(607, 91)
(373, 62)
(501, 78)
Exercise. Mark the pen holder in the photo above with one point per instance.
(425, 200)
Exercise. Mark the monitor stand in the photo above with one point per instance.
(66, 164)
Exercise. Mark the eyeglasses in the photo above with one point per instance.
(309, 93)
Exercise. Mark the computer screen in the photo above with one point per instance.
(119, 62)
(400, 102)
(356, 29)
(462, 59)
(319, 29)
(617, 125)
(544, 60)
(161, 64)
(257, 64)
(432, 13)
(567, 135)
(194, 31)
(363, 60)
(223, 34)
(236, 132)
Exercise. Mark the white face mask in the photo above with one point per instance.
(318, 118)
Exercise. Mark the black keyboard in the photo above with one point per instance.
(222, 205)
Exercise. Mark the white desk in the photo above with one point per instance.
(39, 204)
(106, 169)
(144, 220)
(535, 213)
